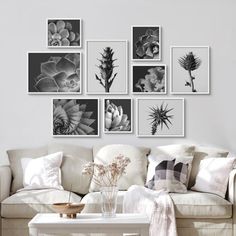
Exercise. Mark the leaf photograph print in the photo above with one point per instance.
(146, 43)
(160, 117)
(53, 73)
(64, 33)
(117, 115)
(149, 79)
(75, 117)
(190, 70)
(106, 67)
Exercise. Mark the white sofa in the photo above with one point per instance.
(197, 214)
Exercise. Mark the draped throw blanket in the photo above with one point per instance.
(157, 205)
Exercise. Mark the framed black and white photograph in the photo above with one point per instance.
(106, 67)
(75, 118)
(118, 117)
(54, 73)
(146, 43)
(64, 33)
(190, 70)
(149, 79)
(160, 117)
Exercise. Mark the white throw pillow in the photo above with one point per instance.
(213, 175)
(43, 172)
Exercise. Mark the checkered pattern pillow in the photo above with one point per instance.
(170, 177)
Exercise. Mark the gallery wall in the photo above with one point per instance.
(210, 119)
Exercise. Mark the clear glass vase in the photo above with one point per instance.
(109, 201)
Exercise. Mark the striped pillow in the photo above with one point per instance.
(170, 177)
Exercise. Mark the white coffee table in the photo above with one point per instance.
(89, 223)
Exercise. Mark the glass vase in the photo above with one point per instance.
(109, 201)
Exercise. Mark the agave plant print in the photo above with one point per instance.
(190, 70)
(52, 73)
(106, 67)
(146, 43)
(117, 115)
(64, 33)
(149, 79)
(160, 117)
(75, 117)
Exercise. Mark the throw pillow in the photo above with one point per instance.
(136, 170)
(43, 172)
(213, 175)
(170, 177)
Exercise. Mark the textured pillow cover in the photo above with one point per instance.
(43, 172)
(15, 157)
(136, 170)
(213, 175)
(170, 177)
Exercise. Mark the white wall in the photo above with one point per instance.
(25, 119)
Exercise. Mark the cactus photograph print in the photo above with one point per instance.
(64, 33)
(149, 79)
(75, 118)
(146, 43)
(117, 115)
(190, 70)
(53, 73)
(160, 117)
(106, 67)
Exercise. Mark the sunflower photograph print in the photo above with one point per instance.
(117, 115)
(149, 79)
(190, 70)
(160, 117)
(146, 43)
(106, 67)
(75, 117)
(64, 33)
(53, 73)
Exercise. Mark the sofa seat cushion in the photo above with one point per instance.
(92, 202)
(201, 205)
(26, 204)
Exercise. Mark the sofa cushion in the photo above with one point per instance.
(136, 170)
(74, 158)
(26, 204)
(15, 157)
(201, 205)
(92, 202)
(200, 153)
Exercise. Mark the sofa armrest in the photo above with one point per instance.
(5, 182)
(232, 187)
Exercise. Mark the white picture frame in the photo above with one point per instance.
(144, 107)
(180, 80)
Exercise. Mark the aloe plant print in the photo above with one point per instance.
(190, 63)
(75, 117)
(106, 68)
(160, 117)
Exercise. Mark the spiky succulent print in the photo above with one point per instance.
(59, 73)
(160, 117)
(106, 68)
(72, 117)
(61, 33)
(190, 62)
(148, 45)
(154, 81)
(115, 119)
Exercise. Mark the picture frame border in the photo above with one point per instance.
(148, 93)
(131, 114)
(77, 136)
(160, 136)
(126, 69)
(55, 93)
(171, 71)
(160, 48)
(64, 47)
